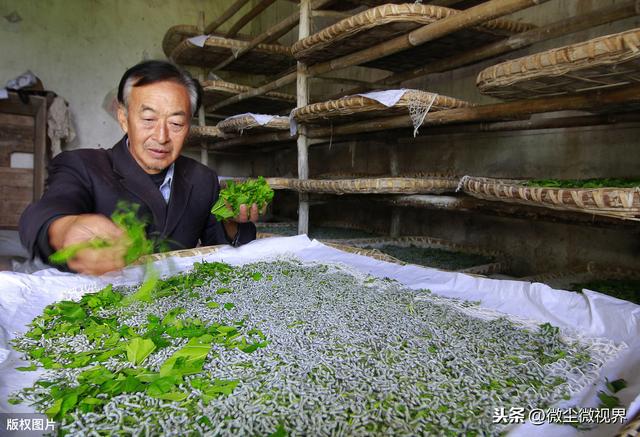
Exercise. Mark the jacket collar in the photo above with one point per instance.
(135, 180)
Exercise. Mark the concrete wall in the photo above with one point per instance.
(81, 48)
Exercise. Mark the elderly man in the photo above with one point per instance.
(175, 193)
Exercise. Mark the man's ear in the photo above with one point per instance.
(122, 118)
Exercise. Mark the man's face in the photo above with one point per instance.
(157, 122)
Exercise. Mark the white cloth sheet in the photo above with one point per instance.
(22, 297)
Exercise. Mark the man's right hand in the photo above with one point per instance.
(74, 229)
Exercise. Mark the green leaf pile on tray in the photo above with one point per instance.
(583, 183)
(434, 257)
(277, 348)
(247, 193)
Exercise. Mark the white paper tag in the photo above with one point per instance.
(387, 98)
(198, 40)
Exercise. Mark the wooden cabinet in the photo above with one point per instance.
(22, 130)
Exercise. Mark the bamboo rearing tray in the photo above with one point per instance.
(632, 428)
(388, 21)
(366, 185)
(262, 59)
(244, 122)
(604, 62)
(590, 271)
(432, 243)
(371, 253)
(269, 103)
(198, 134)
(343, 5)
(358, 107)
(622, 203)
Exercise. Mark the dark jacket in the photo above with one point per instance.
(94, 181)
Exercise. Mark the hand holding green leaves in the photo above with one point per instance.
(123, 237)
(252, 191)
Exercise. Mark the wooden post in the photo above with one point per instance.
(40, 145)
(394, 229)
(230, 12)
(245, 19)
(470, 17)
(394, 165)
(204, 154)
(394, 169)
(303, 100)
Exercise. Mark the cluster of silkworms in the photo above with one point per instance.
(348, 354)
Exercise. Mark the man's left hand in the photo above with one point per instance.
(246, 215)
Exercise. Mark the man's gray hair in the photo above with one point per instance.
(149, 72)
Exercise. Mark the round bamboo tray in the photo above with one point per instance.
(262, 59)
(198, 134)
(272, 102)
(356, 107)
(366, 185)
(388, 21)
(175, 35)
(631, 429)
(622, 203)
(592, 270)
(344, 5)
(244, 122)
(425, 242)
(182, 253)
(604, 62)
(371, 253)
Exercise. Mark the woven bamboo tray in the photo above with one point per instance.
(175, 35)
(263, 59)
(385, 22)
(325, 231)
(197, 134)
(182, 253)
(343, 5)
(591, 270)
(367, 185)
(356, 107)
(270, 103)
(622, 203)
(244, 122)
(604, 62)
(631, 429)
(496, 266)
